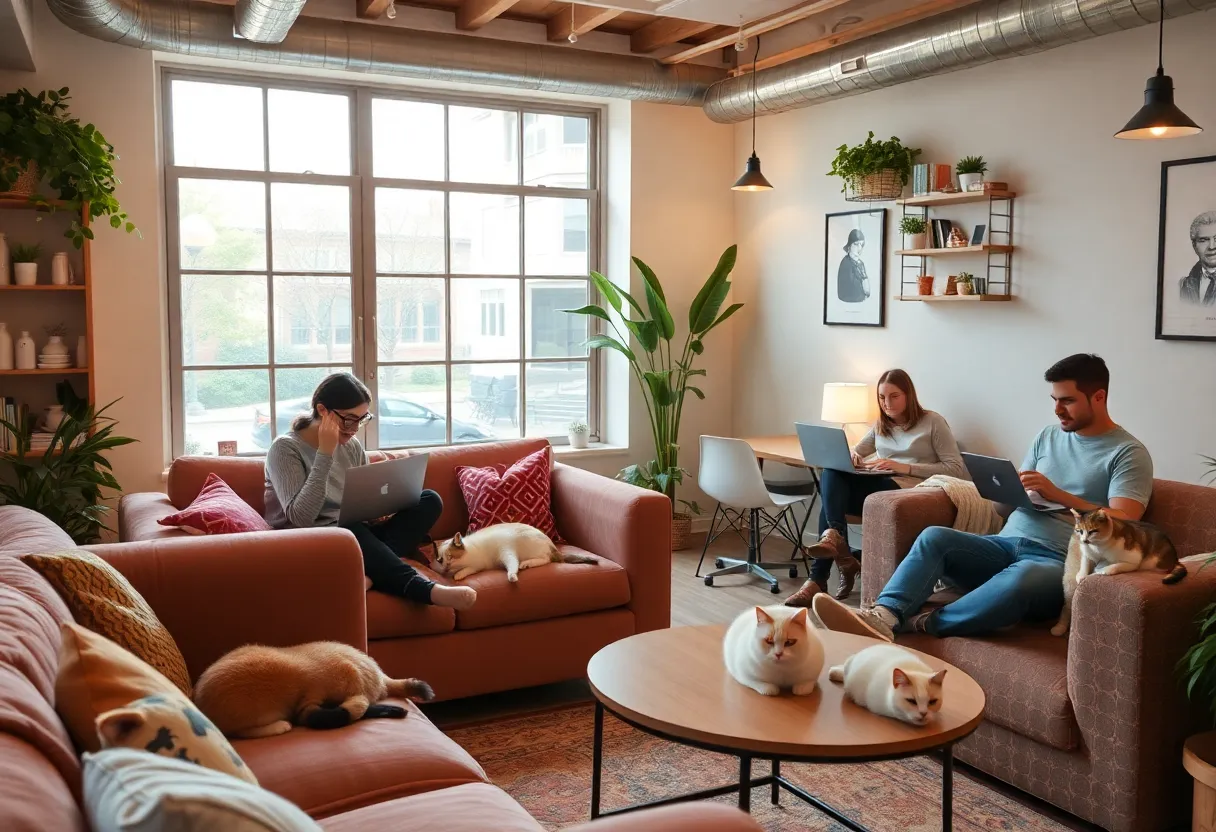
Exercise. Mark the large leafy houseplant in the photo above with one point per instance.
(75, 159)
(65, 482)
(664, 375)
(1198, 665)
(853, 164)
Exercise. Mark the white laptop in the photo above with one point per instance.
(382, 488)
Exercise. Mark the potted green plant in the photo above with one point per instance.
(913, 229)
(873, 171)
(664, 374)
(578, 432)
(41, 141)
(25, 263)
(971, 170)
(1198, 669)
(964, 282)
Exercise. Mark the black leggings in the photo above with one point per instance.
(385, 544)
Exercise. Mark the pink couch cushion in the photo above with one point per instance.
(244, 475)
(516, 494)
(475, 807)
(217, 510)
(441, 476)
(33, 795)
(23, 531)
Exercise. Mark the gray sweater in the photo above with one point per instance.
(928, 448)
(303, 485)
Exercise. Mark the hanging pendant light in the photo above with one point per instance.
(752, 179)
(1159, 118)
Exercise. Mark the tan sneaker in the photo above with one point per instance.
(872, 623)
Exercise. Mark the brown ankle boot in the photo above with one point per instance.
(803, 597)
(848, 566)
(828, 547)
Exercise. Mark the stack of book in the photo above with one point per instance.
(930, 178)
(12, 413)
(41, 440)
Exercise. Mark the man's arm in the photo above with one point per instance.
(1131, 485)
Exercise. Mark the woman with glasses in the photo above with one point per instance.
(305, 474)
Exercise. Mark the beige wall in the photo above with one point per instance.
(1085, 276)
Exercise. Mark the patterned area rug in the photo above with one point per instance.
(544, 761)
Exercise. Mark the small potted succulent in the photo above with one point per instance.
(965, 283)
(971, 170)
(25, 263)
(873, 171)
(913, 229)
(578, 432)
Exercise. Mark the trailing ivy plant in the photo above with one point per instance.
(854, 163)
(75, 159)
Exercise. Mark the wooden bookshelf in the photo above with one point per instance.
(998, 271)
(954, 298)
(41, 287)
(960, 198)
(938, 252)
(54, 372)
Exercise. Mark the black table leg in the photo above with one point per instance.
(948, 788)
(776, 783)
(597, 755)
(745, 784)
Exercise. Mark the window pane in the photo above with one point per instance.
(485, 319)
(555, 150)
(409, 319)
(217, 126)
(556, 236)
(293, 390)
(221, 406)
(413, 407)
(407, 139)
(485, 233)
(483, 145)
(552, 333)
(485, 396)
(556, 396)
(312, 320)
(311, 227)
(409, 231)
(224, 320)
(309, 132)
(222, 225)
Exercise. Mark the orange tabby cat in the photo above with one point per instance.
(257, 691)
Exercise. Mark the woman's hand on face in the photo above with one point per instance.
(328, 433)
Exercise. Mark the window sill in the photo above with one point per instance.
(594, 450)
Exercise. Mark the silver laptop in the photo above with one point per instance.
(382, 488)
(997, 479)
(825, 447)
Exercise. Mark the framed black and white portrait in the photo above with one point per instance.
(855, 268)
(1186, 250)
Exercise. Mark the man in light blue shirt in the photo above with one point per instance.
(1084, 462)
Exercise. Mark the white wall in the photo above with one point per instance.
(1084, 277)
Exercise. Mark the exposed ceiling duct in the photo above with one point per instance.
(973, 35)
(266, 21)
(205, 30)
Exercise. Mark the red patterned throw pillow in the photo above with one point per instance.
(217, 510)
(519, 494)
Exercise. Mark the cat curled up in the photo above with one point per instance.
(257, 691)
(508, 546)
(770, 649)
(890, 681)
(1106, 545)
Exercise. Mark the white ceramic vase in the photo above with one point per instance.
(966, 180)
(27, 355)
(26, 273)
(4, 274)
(61, 270)
(55, 346)
(6, 348)
(577, 440)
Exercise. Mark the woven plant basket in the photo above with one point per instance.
(26, 183)
(681, 529)
(883, 186)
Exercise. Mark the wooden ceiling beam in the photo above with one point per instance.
(862, 30)
(664, 32)
(766, 24)
(372, 9)
(582, 20)
(473, 14)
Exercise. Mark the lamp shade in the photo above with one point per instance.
(752, 179)
(1159, 118)
(846, 403)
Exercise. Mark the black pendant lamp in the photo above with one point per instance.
(1159, 118)
(752, 179)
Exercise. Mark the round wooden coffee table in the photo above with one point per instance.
(673, 684)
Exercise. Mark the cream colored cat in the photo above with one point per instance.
(770, 649)
(890, 681)
(509, 546)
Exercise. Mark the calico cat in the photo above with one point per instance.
(509, 546)
(256, 691)
(770, 649)
(1105, 545)
(890, 681)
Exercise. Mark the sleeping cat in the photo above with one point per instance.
(509, 546)
(890, 681)
(257, 691)
(1105, 545)
(770, 649)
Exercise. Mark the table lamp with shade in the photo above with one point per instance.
(850, 405)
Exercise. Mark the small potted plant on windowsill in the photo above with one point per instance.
(913, 229)
(25, 263)
(578, 432)
(873, 171)
(971, 170)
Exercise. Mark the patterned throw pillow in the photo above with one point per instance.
(519, 494)
(102, 600)
(217, 510)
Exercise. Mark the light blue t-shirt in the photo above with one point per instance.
(1094, 468)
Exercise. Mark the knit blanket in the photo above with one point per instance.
(974, 514)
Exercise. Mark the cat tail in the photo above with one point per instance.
(570, 557)
(415, 689)
(1175, 575)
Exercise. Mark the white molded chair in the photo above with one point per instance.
(730, 474)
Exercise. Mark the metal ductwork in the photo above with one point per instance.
(205, 30)
(266, 21)
(974, 35)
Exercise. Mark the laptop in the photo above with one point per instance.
(825, 447)
(997, 479)
(382, 488)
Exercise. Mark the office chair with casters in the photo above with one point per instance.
(730, 474)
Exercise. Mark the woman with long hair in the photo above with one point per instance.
(908, 442)
(305, 474)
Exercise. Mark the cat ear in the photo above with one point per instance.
(899, 678)
(800, 617)
(1075, 513)
(115, 726)
(762, 617)
(1100, 514)
(936, 678)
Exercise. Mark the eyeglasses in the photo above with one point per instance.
(354, 422)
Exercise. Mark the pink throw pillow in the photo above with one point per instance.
(217, 510)
(519, 494)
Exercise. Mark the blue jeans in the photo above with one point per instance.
(1007, 580)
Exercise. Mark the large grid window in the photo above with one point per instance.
(427, 245)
